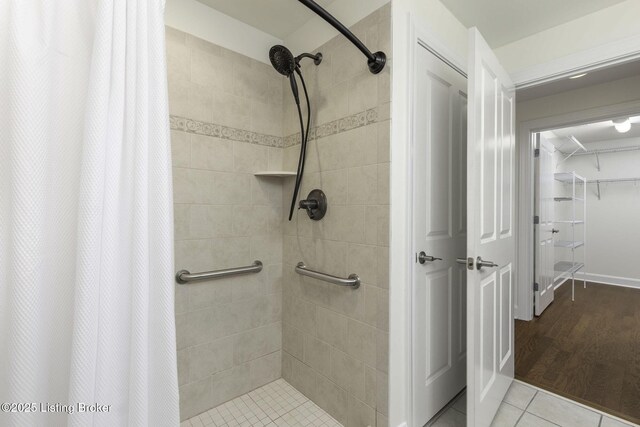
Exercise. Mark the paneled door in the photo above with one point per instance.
(439, 344)
(544, 230)
(490, 242)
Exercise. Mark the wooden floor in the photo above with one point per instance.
(587, 350)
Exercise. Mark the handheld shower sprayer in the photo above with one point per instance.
(283, 61)
(286, 64)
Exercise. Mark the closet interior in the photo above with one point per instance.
(587, 278)
(592, 182)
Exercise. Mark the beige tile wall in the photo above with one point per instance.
(229, 331)
(335, 340)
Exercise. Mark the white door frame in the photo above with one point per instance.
(400, 393)
(421, 39)
(432, 390)
(525, 147)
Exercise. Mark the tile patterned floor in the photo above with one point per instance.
(276, 404)
(279, 404)
(527, 406)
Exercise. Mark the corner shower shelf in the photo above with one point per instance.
(571, 244)
(275, 174)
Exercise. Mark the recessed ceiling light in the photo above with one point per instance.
(622, 125)
(578, 76)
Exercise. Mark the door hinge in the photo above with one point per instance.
(536, 219)
(536, 286)
(536, 152)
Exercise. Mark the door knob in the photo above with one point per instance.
(554, 231)
(466, 261)
(423, 257)
(482, 263)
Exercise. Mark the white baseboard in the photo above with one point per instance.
(609, 280)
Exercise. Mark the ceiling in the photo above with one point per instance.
(602, 75)
(592, 133)
(276, 17)
(504, 21)
(500, 21)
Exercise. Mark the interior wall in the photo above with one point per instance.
(206, 23)
(613, 235)
(594, 30)
(226, 124)
(574, 101)
(335, 339)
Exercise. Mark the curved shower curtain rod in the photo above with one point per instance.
(375, 60)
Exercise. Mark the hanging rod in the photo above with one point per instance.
(608, 150)
(353, 281)
(604, 181)
(609, 180)
(597, 152)
(184, 276)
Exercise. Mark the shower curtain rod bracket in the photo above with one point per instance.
(378, 62)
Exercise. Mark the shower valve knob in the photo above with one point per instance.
(308, 204)
(315, 204)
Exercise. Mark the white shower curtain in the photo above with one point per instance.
(86, 225)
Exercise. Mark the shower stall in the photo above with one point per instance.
(281, 198)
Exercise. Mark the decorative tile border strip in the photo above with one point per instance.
(337, 126)
(224, 132)
(343, 124)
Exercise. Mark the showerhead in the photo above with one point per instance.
(282, 60)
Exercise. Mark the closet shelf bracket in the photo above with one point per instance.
(579, 147)
(597, 182)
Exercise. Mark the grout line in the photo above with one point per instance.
(542, 416)
(519, 418)
(307, 400)
(535, 415)
(447, 407)
(582, 405)
(531, 401)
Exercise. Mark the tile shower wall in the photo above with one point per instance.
(335, 340)
(226, 120)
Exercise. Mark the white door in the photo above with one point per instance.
(439, 223)
(490, 187)
(544, 255)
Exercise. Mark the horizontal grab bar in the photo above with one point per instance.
(353, 281)
(184, 276)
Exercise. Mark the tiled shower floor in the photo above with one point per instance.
(275, 404)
